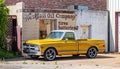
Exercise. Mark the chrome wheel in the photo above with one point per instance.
(50, 54)
(92, 52)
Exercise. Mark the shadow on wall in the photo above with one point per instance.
(111, 41)
(111, 44)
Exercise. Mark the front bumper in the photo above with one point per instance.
(28, 54)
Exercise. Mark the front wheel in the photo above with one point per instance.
(50, 54)
(92, 52)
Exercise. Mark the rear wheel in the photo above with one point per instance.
(50, 54)
(92, 52)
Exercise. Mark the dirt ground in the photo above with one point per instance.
(103, 61)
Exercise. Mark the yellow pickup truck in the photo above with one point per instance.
(63, 42)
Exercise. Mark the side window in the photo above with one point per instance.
(69, 36)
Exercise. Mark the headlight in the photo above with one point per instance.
(37, 47)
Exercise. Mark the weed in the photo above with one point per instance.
(97, 65)
(25, 62)
(56, 63)
(56, 67)
(70, 64)
(43, 63)
(2, 59)
(8, 54)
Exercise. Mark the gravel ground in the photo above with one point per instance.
(103, 61)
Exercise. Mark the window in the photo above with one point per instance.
(69, 36)
(55, 35)
(85, 31)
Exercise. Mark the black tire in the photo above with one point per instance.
(92, 52)
(50, 54)
(34, 56)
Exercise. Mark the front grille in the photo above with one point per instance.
(30, 48)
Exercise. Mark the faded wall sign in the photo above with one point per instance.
(49, 16)
(66, 26)
(64, 21)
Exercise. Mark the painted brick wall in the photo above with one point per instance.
(98, 20)
(62, 4)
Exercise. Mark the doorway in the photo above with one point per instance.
(118, 32)
(85, 31)
(11, 33)
(46, 26)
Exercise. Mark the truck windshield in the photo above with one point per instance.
(55, 35)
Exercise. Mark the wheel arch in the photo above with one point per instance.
(95, 54)
(52, 48)
(94, 47)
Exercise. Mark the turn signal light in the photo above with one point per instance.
(103, 45)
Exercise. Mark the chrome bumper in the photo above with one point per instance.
(37, 53)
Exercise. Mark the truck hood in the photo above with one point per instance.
(42, 41)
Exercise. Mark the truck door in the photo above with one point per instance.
(70, 46)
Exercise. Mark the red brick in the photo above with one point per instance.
(61, 4)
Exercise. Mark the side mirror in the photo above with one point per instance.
(66, 40)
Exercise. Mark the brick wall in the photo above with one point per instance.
(62, 4)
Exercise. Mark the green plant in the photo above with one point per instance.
(56, 63)
(4, 54)
(25, 62)
(43, 63)
(8, 54)
(56, 67)
(2, 59)
(97, 65)
(18, 54)
(4, 11)
(70, 64)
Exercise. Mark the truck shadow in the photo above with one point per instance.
(81, 57)
(62, 58)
